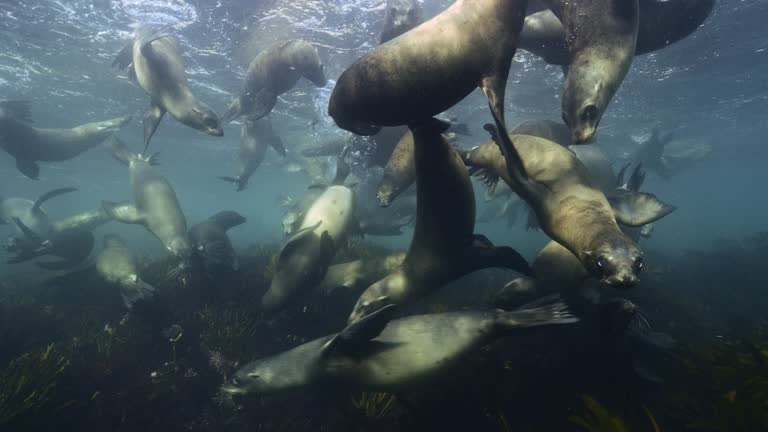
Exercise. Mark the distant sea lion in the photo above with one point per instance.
(400, 17)
(444, 246)
(255, 136)
(601, 37)
(305, 257)
(377, 354)
(154, 206)
(569, 208)
(211, 243)
(360, 273)
(273, 72)
(153, 61)
(429, 69)
(29, 145)
(117, 265)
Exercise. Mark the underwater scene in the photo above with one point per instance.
(383, 215)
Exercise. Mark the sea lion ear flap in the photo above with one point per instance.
(638, 208)
(361, 331)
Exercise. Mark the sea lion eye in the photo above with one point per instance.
(638, 264)
(601, 262)
(235, 381)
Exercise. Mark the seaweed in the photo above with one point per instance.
(375, 405)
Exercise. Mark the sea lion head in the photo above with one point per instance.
(275, 374)
(617, 262)
(305, 58)
(204, 119)
(582, 107)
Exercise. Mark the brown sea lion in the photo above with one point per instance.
(255, 136)
(117, 265)
(153, 61)
(273, 72)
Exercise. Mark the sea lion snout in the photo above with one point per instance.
(622, 280)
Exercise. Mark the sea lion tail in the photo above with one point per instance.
(545, 311)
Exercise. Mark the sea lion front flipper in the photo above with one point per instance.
(361, 331)
(295, 240)
(278, 146)
(483, 254)
(124, 212)
(124, 58)
(152, 117)
(489, 178)
(50, 194)
(28, 167)
(263, 102)
(636, 209)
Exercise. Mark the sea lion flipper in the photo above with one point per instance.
(124, 212)
(622, 173)
(28, 167)
(263, 102)
(361, 331)
(241, 182)
(152, 117)
(636, 209)
(546, 311)
(278, 146)
(27, 231)
(637, 178)
(50, 194)
(295, 240)
(124, 58)
(489, 178)
(483, 254)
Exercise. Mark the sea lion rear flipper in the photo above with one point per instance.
(124, 212)
(28, 167)
(295, 240)
(278, 146)
(50, 194)
(361, 331)
(483, 254)
(489, 178)
(636, 209)
(263, 102)
(545, 311)
(152, 117)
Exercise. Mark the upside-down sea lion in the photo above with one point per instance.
(377, 354)
(211, 243)
(117, 265)
(72, 245)
(153, 61)
(29, 145)
(444, 246)
(273, 72)
(569, 208)
(30, 213)
(255, 136)
(400, 17)
(154, 206)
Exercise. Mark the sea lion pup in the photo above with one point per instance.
(661, 24)
(379, 354)
(569, 208)
(360, 273)
(29, 145)
(601, 37)
(117, 265)
(73, 245)
(154, 206)
(445, 246)
(305, 257)
(431, 68)
(153, 61)
(273, 72)
(211, 243)
(400, 17)
(255, 136)
(30, 213)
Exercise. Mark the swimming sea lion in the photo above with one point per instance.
(273, 72)
(444, 246)
(601, 37)
(30, 213)
(305, 257)
(255, 136)
(73, 245)
(360, 273)
(117, 265)
(153, 61)
(569, 208)
(377, 354)
(400, 17)
(154, 206)
(29, 145)
(211, 243)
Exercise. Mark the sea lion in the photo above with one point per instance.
(153, 61)
(211, 243)
(117, 265)
(305, 257)
(154, 206)
(255, 136)
(569, 208)
(16, 108)
(29, 145)
(601, 37)
(377, 354)
(400, 17)
(431, 68)
(661, 24)
(30, 213)
(444, 246)
(273, 72)
(360, 273)
(73, 245)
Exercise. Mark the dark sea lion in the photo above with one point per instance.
(431, 68)
(662, 23)
(211, 243)
(30, 213)
(400, 17)
(273, 72)
(153, 61)
(154, 206)
(360, 273)
(569, 208)
(72, 245)
(117, 265)
(255, 136)
(601, 37)
(444, 246)
(377, 354)
(29, 145)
